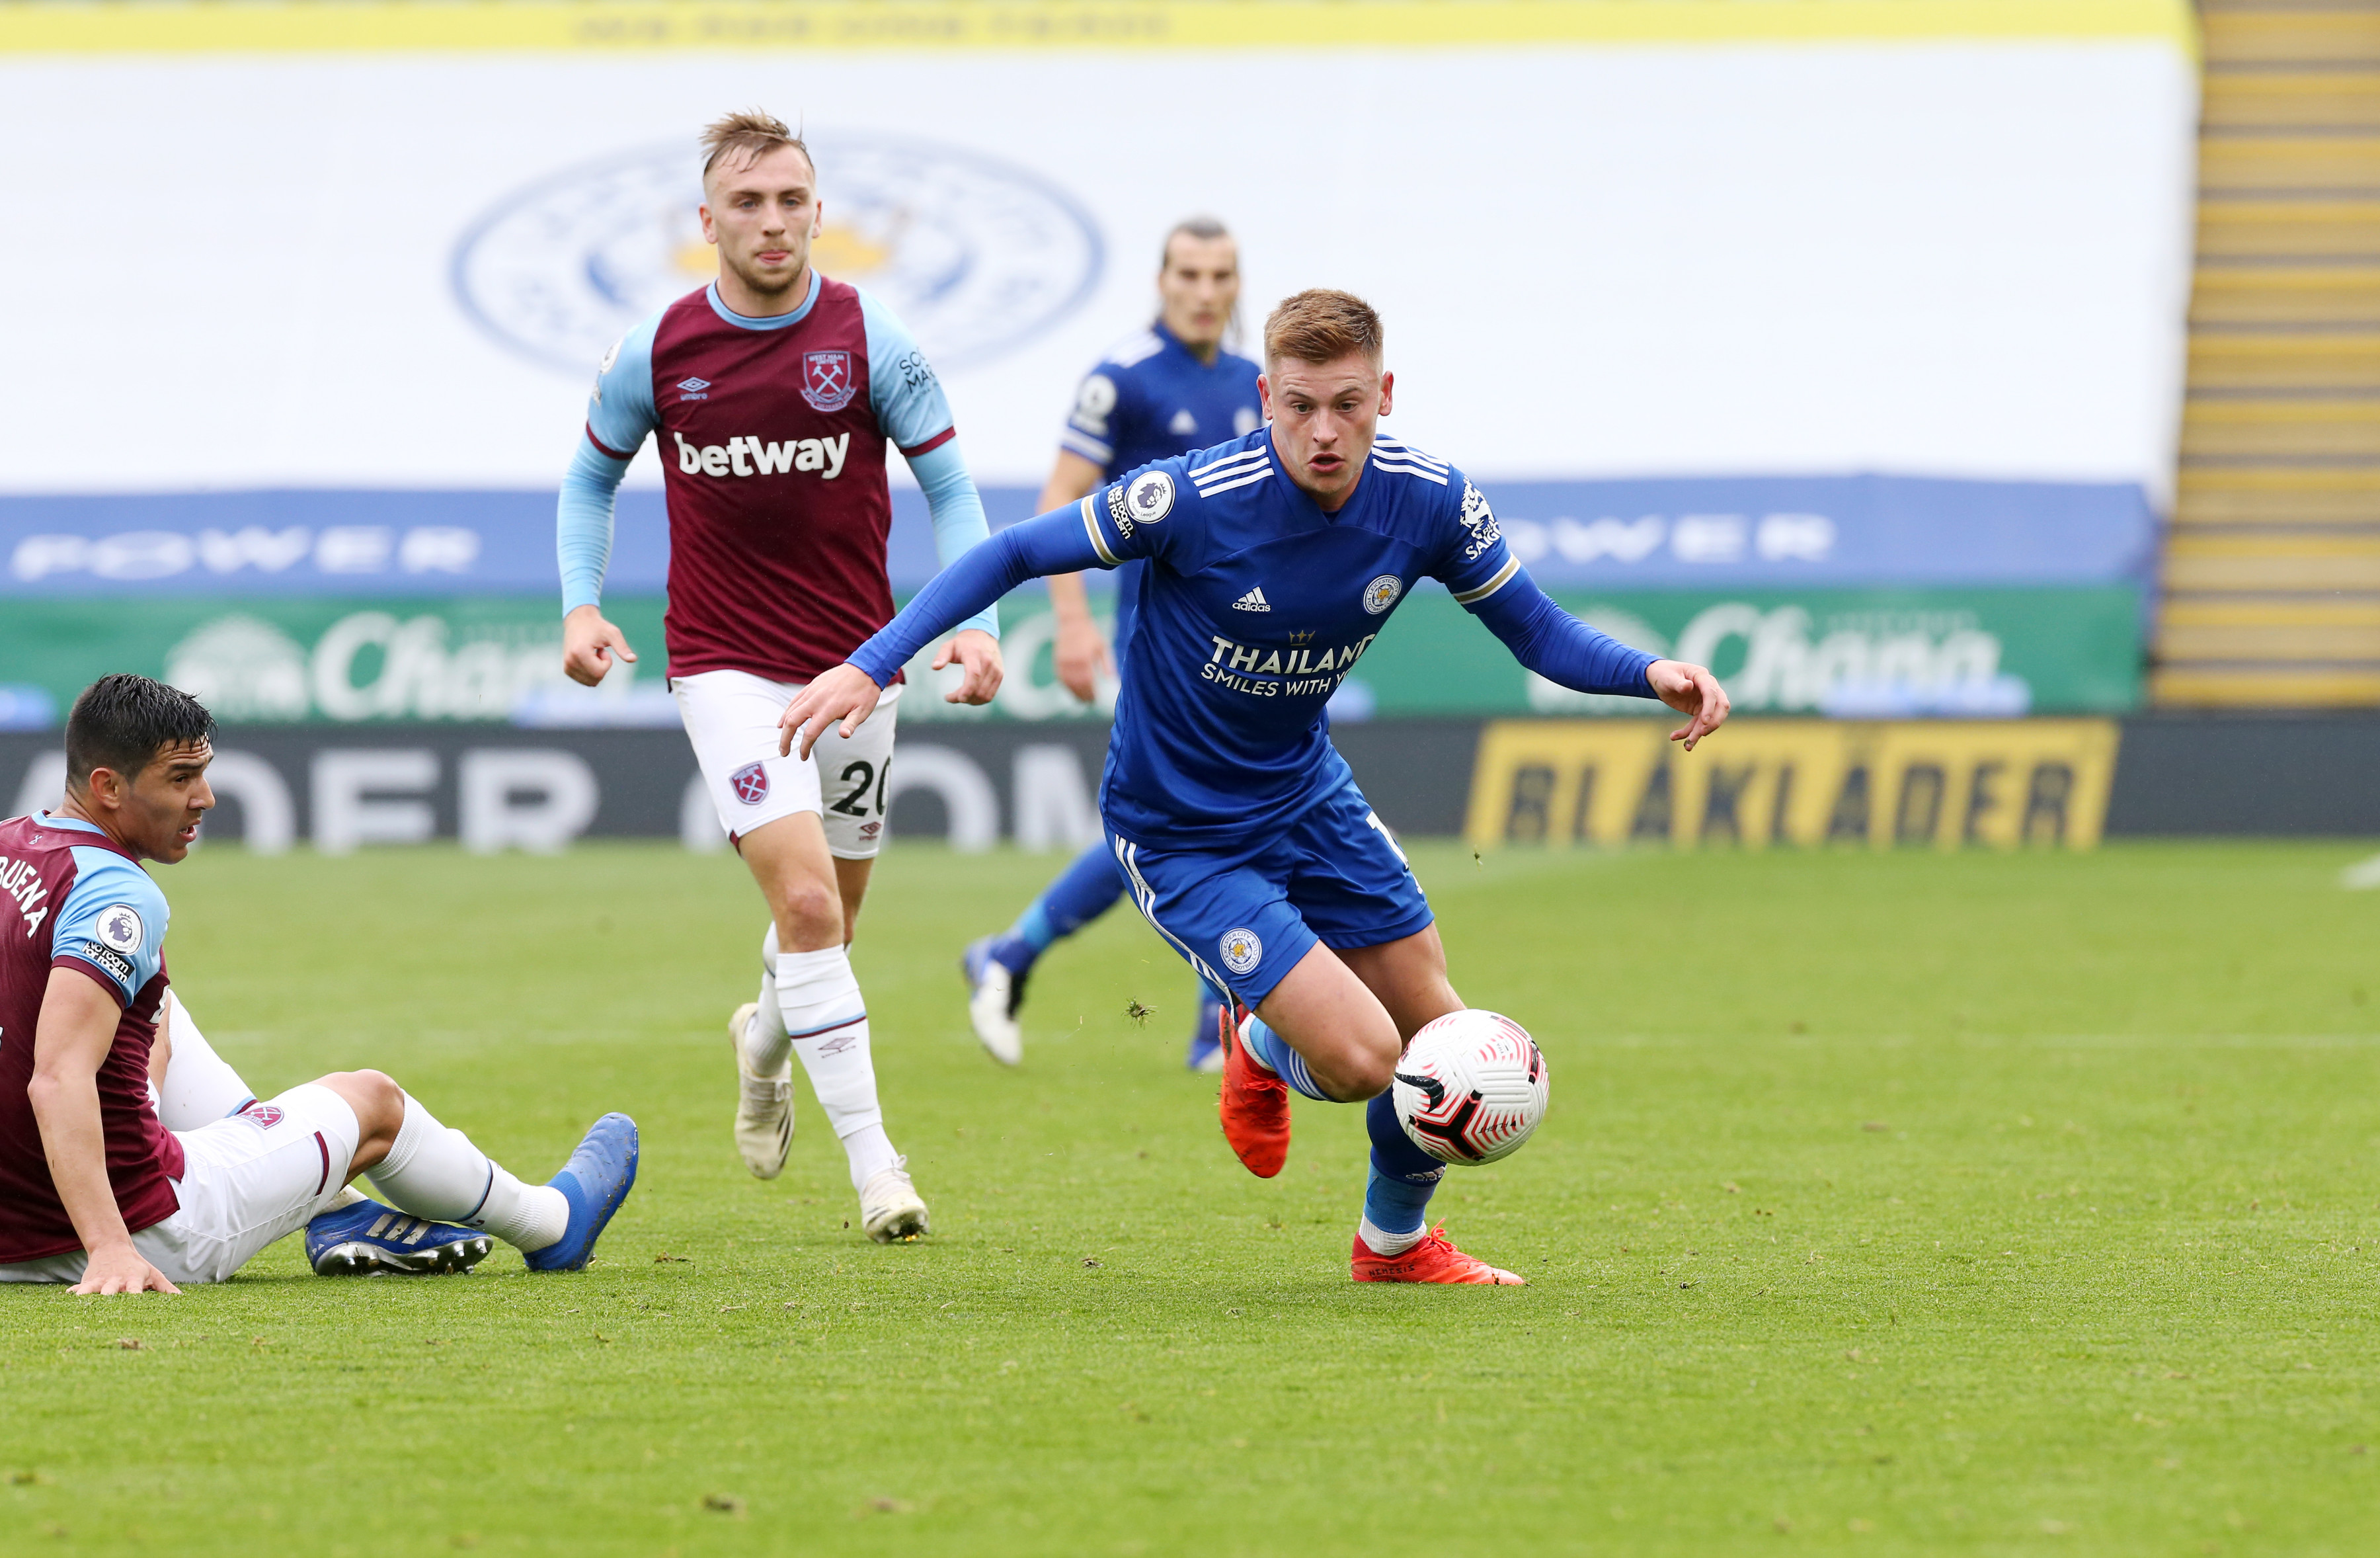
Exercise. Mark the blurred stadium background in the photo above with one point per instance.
(1990, 390)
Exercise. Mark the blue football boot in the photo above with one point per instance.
(1206, 1036)
(595, 1181)
(370, 1240)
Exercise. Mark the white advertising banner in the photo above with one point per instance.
(1931, 256)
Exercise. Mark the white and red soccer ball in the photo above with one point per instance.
(1471, 1087)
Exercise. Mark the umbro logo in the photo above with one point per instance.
(1253, 601)
(693, 386)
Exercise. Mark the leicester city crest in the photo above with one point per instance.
(977, 255)
(1242, 950)
(827, 381)
(1382, 593)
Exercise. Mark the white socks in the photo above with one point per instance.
(818, 1013)
(199, 1088)
(435, 1171)
(1383, 1243)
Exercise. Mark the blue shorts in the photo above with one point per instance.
(1244, 920)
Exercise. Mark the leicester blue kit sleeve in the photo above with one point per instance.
(907, 398)
(957, 511)
(1153, 512)
(620, 415)
(1557, 645)
(1480, 570)
(1054, 543)
(112, 924)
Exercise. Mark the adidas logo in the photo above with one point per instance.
(1253, 601)
(1183, 423)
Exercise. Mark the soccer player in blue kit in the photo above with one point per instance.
(1169, 390)
(1245, 841)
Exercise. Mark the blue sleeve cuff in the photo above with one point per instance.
(957, 511)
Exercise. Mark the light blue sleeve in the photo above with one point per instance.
(582, 524)
(902, 389)
(957, 510)
(620, 407)
(619, 415)
(112, 923)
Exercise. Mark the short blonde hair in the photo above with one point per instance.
(1322, 326)
(751, 134)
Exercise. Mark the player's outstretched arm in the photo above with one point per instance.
(71, 1038)
(1561, 649)
(1056, 542)
(959, 528)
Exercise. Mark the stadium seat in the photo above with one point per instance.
(2272, 575)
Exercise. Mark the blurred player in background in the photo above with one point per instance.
(1240, 828)
(94, 1189)
(1169, 390)
(771, 394)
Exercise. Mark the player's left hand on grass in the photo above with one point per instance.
(1690, 689)
(122, 1270)
(846, 693)
(977, 654)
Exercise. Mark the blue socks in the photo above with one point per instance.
(1083, 892)
(1272, 1052)
(1396, 1199)
(1403, 1178)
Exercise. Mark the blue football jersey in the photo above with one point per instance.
(1255, 607)
(1152, 399)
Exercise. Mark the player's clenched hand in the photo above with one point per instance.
(1081, 655)
(977, 654)
(1690, 689)
(121, 1270)
(589, 643)
(846, 693)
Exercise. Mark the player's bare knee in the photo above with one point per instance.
(810, 913)
(378, 1101)
(1367, 1076)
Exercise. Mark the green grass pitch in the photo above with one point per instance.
(1888, 1202)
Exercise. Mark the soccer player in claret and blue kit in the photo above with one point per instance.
(1245, 841)
(94, 1189)
(1169, 390)
(773, 393)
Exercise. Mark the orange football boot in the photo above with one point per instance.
(1433, 1260)
(1255, 1102)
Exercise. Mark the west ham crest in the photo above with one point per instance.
(750, 784)
(827, 379)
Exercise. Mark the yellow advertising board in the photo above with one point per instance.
(1939, 783)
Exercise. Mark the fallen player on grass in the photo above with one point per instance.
(94, 1189)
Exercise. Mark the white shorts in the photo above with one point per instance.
(731, 717)
(247, 1180)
